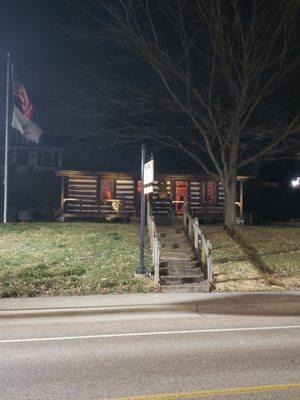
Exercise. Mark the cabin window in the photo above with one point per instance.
(208, 192)
(163, 193)
(47, 157)
(139, 187)
(107, 189)
(203, 192)
(211, 192)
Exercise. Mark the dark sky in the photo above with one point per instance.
(32, 32)
(47, 60)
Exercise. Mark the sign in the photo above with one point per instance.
(148, 189)
(149, 172)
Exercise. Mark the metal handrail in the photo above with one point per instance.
(154, 243)
(201, 244)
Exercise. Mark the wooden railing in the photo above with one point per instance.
(110, 206)
(154, 243)
(202, 246)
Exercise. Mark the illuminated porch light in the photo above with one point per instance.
(296, 182)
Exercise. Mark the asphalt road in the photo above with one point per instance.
(186, 355)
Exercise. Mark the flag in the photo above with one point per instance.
(23, 113)
(31, 131)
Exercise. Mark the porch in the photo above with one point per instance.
(116, 196)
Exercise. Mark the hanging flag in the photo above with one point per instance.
(23, 113)
(31, 131)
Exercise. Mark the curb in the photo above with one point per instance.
(263, 304)
(67, 312)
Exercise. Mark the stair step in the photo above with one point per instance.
(178, 264)
(179, 267)
(177, 258)
(178, 237)
(177, 252)
(171, 230)
(202, 287)
(180, 271)
(176, 240)
(163, 222)
(180, 279)
(175, 246)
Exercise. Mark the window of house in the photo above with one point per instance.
(47, 157)
(107, 189)
(21, 139)
(32, 159)
(139, 187)
(208, 192)
(203, 192)
(211, 192)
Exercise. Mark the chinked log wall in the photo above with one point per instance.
(81, 195)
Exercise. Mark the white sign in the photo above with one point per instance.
(148, 189)
(149, 172)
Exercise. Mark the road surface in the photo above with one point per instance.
(181, 355)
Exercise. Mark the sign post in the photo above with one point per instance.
(142, 270)
(8, 66)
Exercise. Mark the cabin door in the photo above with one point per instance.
(107, 189)
(181, 194)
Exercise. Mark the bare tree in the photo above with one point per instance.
(217, 66)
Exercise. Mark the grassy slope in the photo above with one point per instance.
(260, 258)
(90, 258)
(69, 259)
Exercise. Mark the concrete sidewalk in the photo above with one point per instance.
(256, 303)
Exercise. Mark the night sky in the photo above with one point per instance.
(32, 32)
(47, 60)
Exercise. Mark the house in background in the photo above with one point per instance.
(27, 156)
(32, 184)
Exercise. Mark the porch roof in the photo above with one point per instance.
(125, 175)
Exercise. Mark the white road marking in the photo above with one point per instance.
(136, 334)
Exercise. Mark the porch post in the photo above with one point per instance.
(241, 199)
(62, 192)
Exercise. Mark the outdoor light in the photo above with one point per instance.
(296, 182)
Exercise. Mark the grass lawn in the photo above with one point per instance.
(49, 259)
(258, 258)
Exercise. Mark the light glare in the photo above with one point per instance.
(296, 182)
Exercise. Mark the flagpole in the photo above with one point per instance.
(6, 138)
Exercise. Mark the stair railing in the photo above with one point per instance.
(154, 243)
(201, 244)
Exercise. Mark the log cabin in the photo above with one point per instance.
(116, 196)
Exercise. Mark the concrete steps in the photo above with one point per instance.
(179, 269)
(180, 279)
(194, 272)
(172, 234)
(200, 287)
(179, 265)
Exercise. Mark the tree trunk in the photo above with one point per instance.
(230, 198)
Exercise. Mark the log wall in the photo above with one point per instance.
(82, 195)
